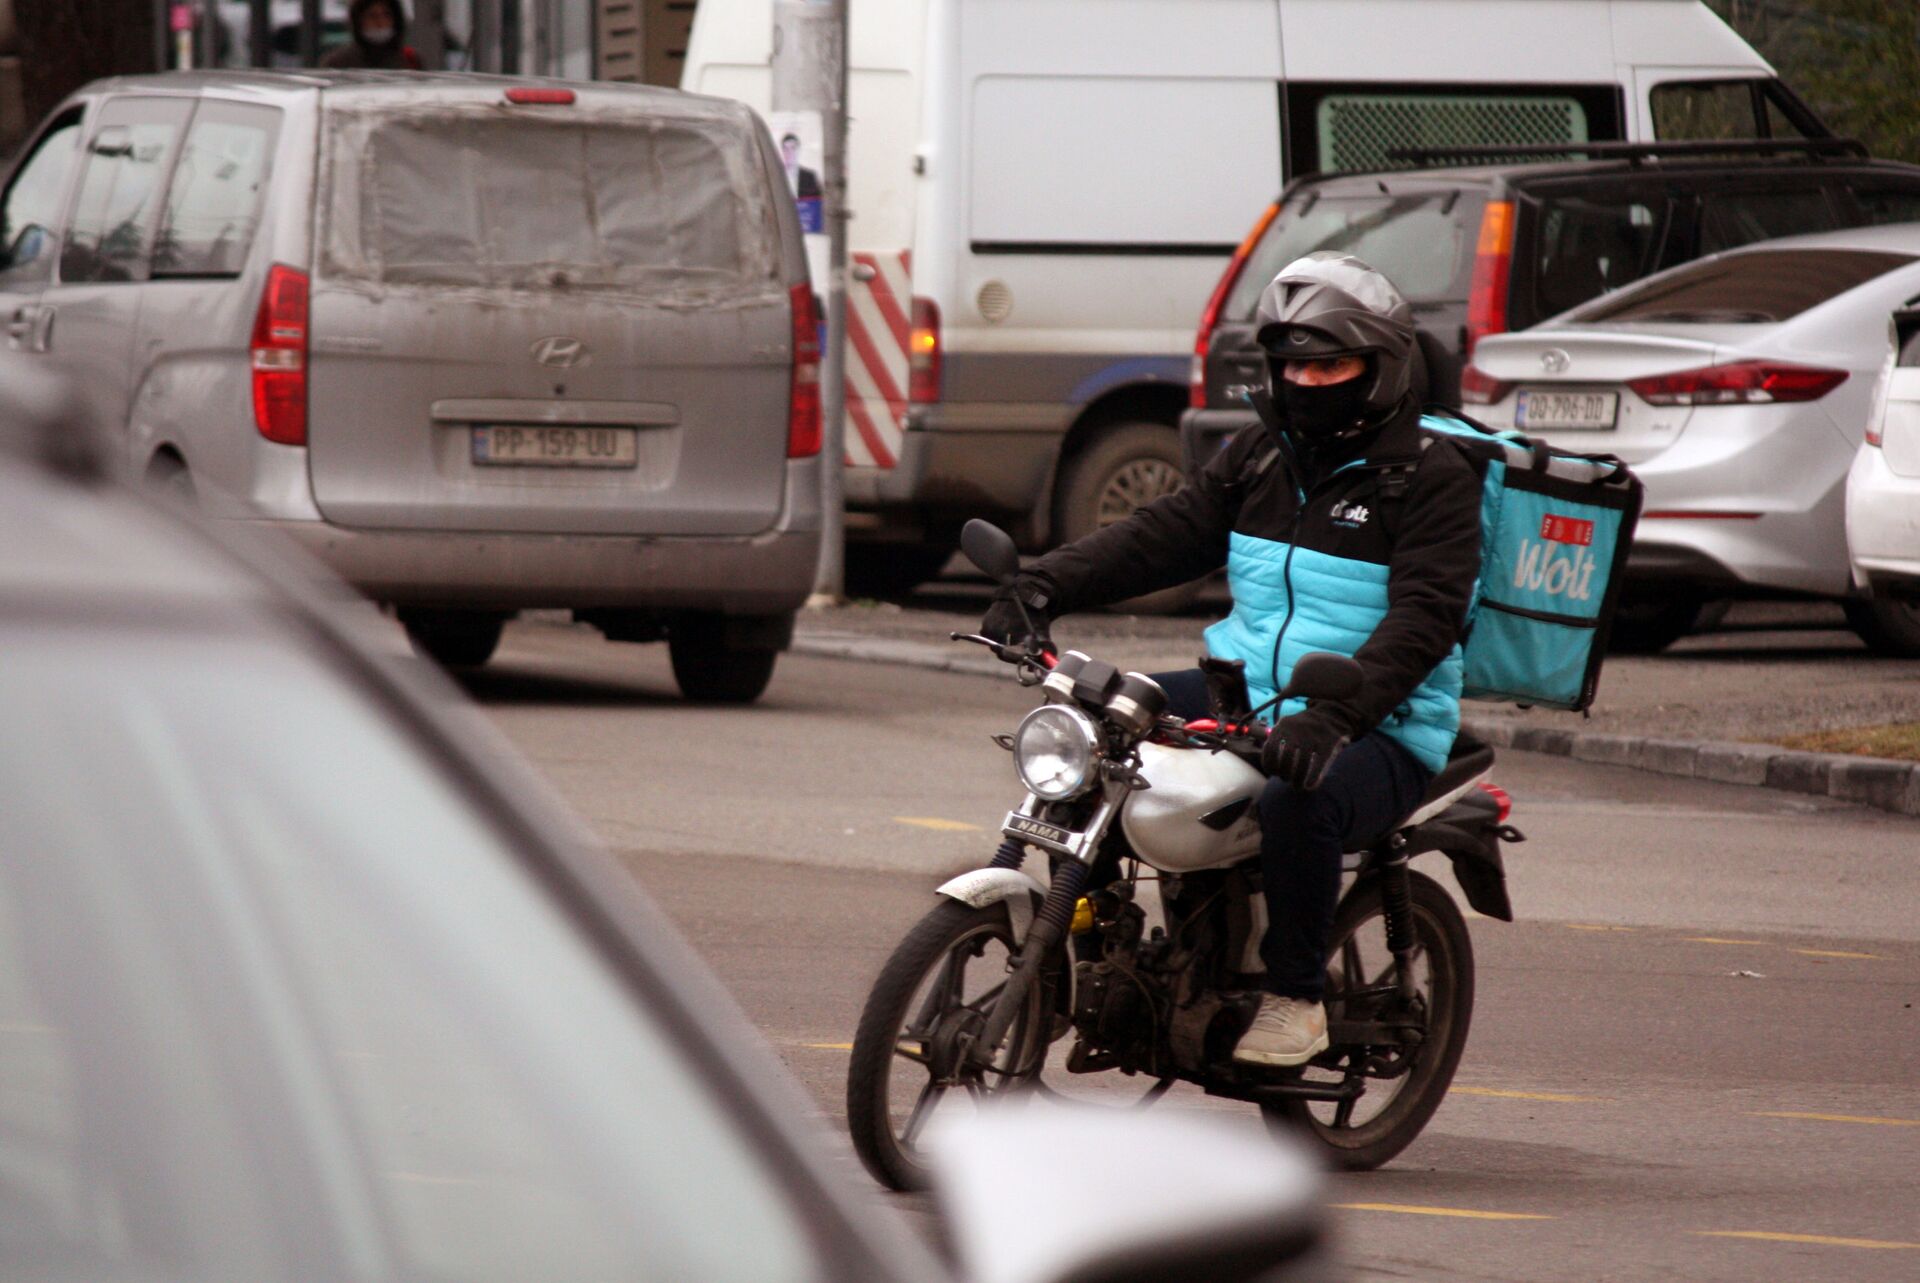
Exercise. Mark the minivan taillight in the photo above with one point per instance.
(1741, 383)
(923, 353)
(1197, 372)
(1477, 387)
(279, 350)
(1492, 274)
(803, 389)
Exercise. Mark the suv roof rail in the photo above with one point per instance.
(1851, 148)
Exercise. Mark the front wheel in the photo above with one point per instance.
(1362, 1133)
(1889, 626)
(910, 1074)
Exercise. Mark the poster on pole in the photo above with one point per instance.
(799, 136)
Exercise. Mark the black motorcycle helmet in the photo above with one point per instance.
(1330, 304)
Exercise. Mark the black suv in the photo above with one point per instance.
(1482, 248)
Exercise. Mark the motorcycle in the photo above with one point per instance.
(973, 1000)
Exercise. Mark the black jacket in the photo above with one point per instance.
(1385, 549)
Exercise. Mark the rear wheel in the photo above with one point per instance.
(893, 569)
(1128, 466)
(909, 1074)
(1888, 625)
(453, 638)
(1363, 1133)
(711, 671)
(1648, 625)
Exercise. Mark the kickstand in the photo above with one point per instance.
(1154, 1093)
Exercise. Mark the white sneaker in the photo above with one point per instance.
(1285, 1032)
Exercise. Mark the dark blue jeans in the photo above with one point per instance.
(1303, 836)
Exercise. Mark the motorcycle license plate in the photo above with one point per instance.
(1039, 832)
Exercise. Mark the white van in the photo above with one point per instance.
(1045, 191)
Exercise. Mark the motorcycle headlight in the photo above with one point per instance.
(1054, 752)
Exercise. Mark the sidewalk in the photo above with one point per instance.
(1706, 708)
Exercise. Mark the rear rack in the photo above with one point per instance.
(1848, 148)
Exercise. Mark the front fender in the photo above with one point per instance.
(984, 887)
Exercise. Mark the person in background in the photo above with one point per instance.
(379, 30)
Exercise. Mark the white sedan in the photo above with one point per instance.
(1739, 388)
(1883, 497)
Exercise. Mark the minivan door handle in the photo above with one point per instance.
(42, 328)
(20, 328)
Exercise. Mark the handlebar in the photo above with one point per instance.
(1033, 664)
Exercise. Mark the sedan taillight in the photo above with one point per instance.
(1741, 383)
(279, 351)
(1477, 387)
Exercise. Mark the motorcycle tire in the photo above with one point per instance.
(1405, 1104)
(908, 1025)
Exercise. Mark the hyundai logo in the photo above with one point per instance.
(1554, 361)
(560, 351)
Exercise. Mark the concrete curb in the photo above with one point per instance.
(1867, 781)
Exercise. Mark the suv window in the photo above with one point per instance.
(31, 208)
(1422, 241)
(213, 202)
(1586, 245)
(132, 147)
(1755, 286)
(1729, 220)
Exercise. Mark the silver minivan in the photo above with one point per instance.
(480, 344)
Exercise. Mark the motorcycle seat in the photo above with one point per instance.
(1467, 764)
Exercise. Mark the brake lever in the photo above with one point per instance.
(1032, 665)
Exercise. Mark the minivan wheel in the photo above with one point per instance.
(711, 672)
(1128, 466)
(453, 638)
(1887, 625)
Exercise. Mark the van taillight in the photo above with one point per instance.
(803, 389)
(1197, 372)
(1492, 273)
(923, 353)
(279, 351)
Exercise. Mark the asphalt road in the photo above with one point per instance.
(1695, 1057)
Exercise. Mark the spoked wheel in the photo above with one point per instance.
(1404, 1082)
(910, 1073)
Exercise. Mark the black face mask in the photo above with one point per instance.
(1320, 415)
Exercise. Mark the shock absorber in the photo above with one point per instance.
(1011, 855)
(1396, 905)
(1048, 928)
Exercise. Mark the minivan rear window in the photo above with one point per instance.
(1422, 241)
(1754, 286)
(457, 197)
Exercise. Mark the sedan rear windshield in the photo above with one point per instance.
(1756, 286)
(465, 197)
(1421, 240)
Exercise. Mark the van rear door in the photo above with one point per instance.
(549, 317)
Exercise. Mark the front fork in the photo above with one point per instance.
(1050, 924)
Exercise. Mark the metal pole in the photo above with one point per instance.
(309, 33)
(428, 31)
(810, 74)
(259, 33)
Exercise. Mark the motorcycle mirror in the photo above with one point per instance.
(991, 549)
(1324, 676)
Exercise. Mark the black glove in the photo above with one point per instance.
(1302, 747)
(1004, 622)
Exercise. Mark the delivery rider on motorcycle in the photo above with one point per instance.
(1343, 528)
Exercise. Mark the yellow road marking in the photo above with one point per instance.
(1835, 1118)
(1462, 1212)
(829, 1046)
(936, 823)
(1718, 940)
(1838, 953)
(1595, 926)
(1528, 1095)
(1822, 1239)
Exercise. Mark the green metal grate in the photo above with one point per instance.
(1356, 131)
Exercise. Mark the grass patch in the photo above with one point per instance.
(1900, 740)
